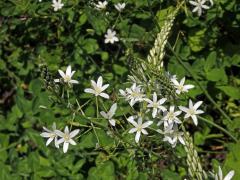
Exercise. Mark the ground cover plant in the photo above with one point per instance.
(133, 89)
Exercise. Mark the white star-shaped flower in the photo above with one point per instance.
(120, 6)
(199, 6)
(67, 77)
(57, 4)
(98, 88)
(110, 114)
(111, 37)
(101, 5)
(50, 135)
(172, 136)
(156, 104)
(139, 127)
(170, 117)
(133, 94)
(66, 138)
(180, 87)
(192, 111)
(219, 175)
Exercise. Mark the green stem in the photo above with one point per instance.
(97, 105)
(201, 87)
(219, 127)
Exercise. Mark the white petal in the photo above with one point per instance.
(140, 121)
(72, 142)
(104, 95)
(197, 104)
(45, 134)
(66, 130)
(162, 100)
(49, 141)
(93, 83)
(181, 140)
(88, 90)
(72, 73)
(104, 114)
(105, 87)
(175, 82)
(59, 133)
(56, 142)
(194, 118)
(190, 104)
(61, 73)
(65, 146)
(56, 80)
(146, 124)
(186, 87)
(112, 122)
(144, 131)
(229, 175)
(74, 133)
(112, 110)
(154, 97)
(60, 141)
(69, 71)
(132, 130)
(74, 81)
(154, 113)
(182, 81)
(199, 112)
(184, 109)
(220, 174)
(100, 81)
(137, 137)
(131, 120)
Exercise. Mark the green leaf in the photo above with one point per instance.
(197, 40)
(210, 62)
(102, 172)
(232, 161)
(231, 91)
(217, 74)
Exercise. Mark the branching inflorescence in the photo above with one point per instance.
(152, 96)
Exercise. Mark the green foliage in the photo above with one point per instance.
(32, 34)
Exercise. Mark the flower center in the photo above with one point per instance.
(155, 105)
(191, 111)
(139, 128)
(98, 90)
(67, 78)
(66, 137)
(170, 115)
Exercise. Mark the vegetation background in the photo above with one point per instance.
(31, 33)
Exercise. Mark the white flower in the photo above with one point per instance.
(199, 6)
(180, 87)
(133, 94)
(67, 77)
(57, 4)
(120, 6)
(101, 5)
(156, 105)
(139, 127)
(219, 175)
(50, 135)
(66, 138)
(169, 117)
(192, 111)
(110, 114)
(98, 88)
(172, 136)
(111, 37)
